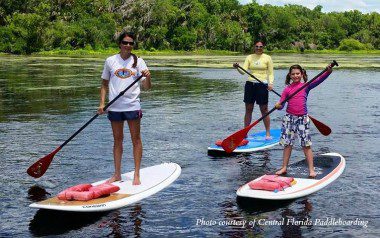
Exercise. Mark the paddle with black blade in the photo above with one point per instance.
(322, 128)
(231, 142)
(39, 168)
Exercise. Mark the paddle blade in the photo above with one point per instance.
(322, 128)
(39, 168)
(232, 142)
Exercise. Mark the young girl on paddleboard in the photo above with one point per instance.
(119, 72)
(296, 120)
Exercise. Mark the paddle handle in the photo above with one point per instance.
(332, 64)
(96, 115)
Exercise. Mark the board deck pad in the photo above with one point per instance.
(153, 179)
(323, 165)
(256, 142)
(327, 166)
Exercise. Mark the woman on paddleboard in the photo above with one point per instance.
(261, 66)
(119, 72)
(296, 119)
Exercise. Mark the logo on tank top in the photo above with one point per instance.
(124, 73)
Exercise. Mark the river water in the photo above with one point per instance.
(43, 101)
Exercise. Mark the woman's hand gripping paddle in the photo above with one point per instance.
(231, 142)
(37, 169)
(322, 128)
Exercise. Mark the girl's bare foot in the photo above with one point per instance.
(281, 171)
(114, 178)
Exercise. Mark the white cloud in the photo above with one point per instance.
(364, 6)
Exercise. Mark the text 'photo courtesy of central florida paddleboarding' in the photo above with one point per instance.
(254, 142)
(328, 167)
(153, 179)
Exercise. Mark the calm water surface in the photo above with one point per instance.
(44, 101)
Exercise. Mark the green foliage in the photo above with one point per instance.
(184, 39)
(351, 44)
(23, 33)
(188, 25)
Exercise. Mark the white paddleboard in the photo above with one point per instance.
(153, 179)
(327, 166)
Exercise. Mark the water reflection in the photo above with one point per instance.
(120, 223)
(37, 193)
(51, 222)
(294, 221)
(291, 222)
(123, 225)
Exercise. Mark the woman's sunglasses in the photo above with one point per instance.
(124, 42)
(259, 46)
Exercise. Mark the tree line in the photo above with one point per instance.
(43, 25)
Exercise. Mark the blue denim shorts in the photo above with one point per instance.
(124, 116)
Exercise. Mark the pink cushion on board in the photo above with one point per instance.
(271, 183)
(85, 192)
(104, 189)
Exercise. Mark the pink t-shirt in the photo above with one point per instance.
(297, 104)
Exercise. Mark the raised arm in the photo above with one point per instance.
(319, 80)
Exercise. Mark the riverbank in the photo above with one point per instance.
(224, 59)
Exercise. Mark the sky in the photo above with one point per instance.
(365, 6)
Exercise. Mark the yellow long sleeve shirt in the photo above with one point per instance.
(260, 66)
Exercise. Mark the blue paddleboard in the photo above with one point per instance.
(256, 142)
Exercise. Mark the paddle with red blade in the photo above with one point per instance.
(37, 169)
(322, 128)
(231, 142)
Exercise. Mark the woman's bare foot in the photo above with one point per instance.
(312, 174)
(114, 178)
(136, 180)
(281, 171)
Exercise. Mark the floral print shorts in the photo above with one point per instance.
(295, 125)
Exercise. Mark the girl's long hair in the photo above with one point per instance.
(296, 66)
(132, 35)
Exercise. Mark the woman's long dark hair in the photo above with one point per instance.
(296, 66)
(132, 35)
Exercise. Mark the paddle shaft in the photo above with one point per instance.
(96, 115)
(292, 95)
(245, 71)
